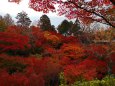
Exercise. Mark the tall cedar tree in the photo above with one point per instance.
(45, 23)
(23, 19)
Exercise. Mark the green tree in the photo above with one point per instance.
(64, 27)
(23, 19)
(45, 23)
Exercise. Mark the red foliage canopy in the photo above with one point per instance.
(88, 70)
(11, 41)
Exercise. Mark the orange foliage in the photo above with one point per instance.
(73, 50)
(51, 38)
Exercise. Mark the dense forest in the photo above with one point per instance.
(79, 53)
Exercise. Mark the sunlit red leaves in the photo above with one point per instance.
(43, 5)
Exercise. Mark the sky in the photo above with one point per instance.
(13, 9)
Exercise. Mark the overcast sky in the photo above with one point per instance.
(13, 9)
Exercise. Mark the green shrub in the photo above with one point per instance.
(62, 80)
(107, 81)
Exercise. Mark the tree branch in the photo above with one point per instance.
(90, 11)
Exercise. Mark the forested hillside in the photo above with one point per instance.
(72, 54)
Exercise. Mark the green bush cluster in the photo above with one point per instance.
(107, 81)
